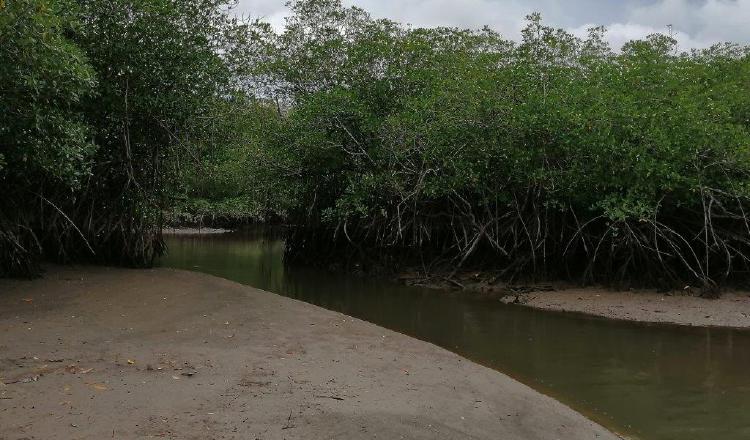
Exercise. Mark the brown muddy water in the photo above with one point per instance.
(646, 381)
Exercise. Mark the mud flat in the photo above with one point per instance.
(96, 353)
(195, 231)
(731, 310)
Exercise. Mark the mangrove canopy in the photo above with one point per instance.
(553, 156)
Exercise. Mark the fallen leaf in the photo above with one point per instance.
(131, 362)
(98, 386)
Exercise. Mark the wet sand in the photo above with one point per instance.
(96, 353)
(194, 231)
(682, 307)
(732, 309)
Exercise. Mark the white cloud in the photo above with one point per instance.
(505, 17)
(620, 33)
(271, 11)
(706, 21)
(696, 23)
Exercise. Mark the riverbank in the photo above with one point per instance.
(194, 231)
(682, 307)
(114, 353)
(731, 310)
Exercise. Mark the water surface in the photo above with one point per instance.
(652, 382)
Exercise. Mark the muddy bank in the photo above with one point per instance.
(732, 309)
(194, 231)
(682, 307)
(109, 353)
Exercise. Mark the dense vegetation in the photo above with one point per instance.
(97, 99)
(553, 156)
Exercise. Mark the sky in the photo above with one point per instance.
(695, 23)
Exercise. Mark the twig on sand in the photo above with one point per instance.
(330, 397)
(288, 422)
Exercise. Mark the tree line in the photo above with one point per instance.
(99, 99)
(380, 143)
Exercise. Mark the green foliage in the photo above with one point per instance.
(552, 156)
(99, 100)
(555, 156)
(45, 78)
(161, 71)
(220, 181)
(44, 139)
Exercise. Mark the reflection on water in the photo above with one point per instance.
(648, 381)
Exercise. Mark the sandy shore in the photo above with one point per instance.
(100, 353)
(732, 309)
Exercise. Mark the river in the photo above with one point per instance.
(646, 381)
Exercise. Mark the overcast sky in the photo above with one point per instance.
(696, 23)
